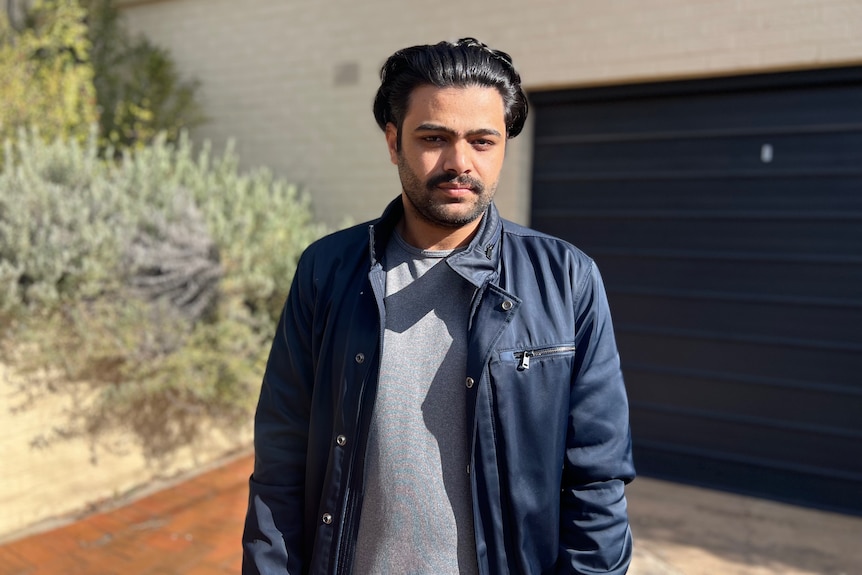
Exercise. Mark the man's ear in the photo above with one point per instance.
(392, 142)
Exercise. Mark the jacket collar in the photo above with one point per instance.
(475, 263)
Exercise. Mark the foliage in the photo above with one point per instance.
(139, 89)
(158, 278)
(46, 71)
(69, 64)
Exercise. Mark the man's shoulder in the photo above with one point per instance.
(517, 234)
(517, 230)
(338, 242)
(334, 253)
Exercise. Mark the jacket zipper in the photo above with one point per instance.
(355, 479)
(523, 357)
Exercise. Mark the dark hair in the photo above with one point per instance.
(467, 62)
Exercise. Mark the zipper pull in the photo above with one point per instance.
(524, 364)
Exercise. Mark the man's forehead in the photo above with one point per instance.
(440, 106)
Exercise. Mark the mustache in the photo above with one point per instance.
(462, 180)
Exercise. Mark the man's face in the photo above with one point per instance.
(453, 141)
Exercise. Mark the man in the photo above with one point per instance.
(443, 393)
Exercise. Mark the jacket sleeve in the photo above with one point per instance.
(594, 528)
(273, 536)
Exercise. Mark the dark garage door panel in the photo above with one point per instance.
(746, 398)
(822, 97)
(740, 356)
(755, 320)
(748, 274)
(566, 195)
(726, 217)
(771, 237)
(834, 147)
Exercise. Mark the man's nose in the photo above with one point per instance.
(458, 159)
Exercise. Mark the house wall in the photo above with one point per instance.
(293, 81)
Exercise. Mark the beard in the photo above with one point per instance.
(444, 212)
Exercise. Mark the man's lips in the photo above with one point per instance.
(456, 187)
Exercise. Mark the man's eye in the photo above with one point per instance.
(433, 139)
(483, 143)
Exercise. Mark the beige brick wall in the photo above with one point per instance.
(48, 477)
(268, 67)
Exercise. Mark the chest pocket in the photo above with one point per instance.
(523, 358)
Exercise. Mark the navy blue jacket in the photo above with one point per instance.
(550, 444)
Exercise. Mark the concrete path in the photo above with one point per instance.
(683, 530)
(193, 527)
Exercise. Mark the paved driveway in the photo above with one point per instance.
(194, 526)
(191, 528)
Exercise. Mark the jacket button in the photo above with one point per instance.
(327, 518)
(507, 305)
(341, 440)
(470, 382)
(360, 357)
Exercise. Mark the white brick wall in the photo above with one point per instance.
(268, 67)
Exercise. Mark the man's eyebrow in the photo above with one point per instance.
(428, 127)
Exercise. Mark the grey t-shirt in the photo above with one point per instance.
(417, 515)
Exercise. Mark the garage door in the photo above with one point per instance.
(726, 218)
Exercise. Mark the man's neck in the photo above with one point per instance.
(422, 234)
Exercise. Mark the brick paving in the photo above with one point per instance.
(192, 528)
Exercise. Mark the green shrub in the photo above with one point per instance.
(69, 64)
(139, 90)
(47, 77)
(158, 278)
